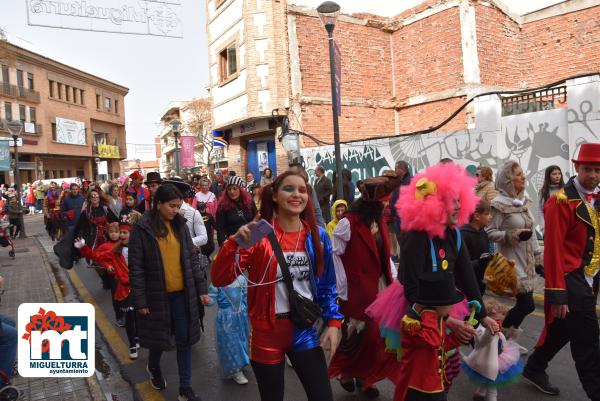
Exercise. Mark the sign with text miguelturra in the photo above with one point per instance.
(140, 17)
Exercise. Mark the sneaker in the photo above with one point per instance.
(371, 392)
(133, 352)
(187, 394)
(349, 386)
(540, 380)
(121, 322)
(156, 378)
(239, 378)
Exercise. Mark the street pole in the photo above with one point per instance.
(334, 109)
(176, 135)
(18, 185)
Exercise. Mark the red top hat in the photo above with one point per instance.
(589, 153)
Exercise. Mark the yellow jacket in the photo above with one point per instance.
(331, 225)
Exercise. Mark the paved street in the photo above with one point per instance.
(28, 279)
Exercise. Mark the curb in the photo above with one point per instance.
(92, 381)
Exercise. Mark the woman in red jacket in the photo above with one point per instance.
(286, 203)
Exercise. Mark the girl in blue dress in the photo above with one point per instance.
(232, 328)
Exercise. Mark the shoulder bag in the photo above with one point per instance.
(303, 311)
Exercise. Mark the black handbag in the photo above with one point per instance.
(303, 311)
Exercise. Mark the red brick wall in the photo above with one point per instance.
(355, 122)
(427, 115)
(499, 44)
(366, 59)
(428, 55)
(561, 46)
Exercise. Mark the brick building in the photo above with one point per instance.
(403, 70)
(74, 121)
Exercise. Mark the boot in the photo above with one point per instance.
(513, 333)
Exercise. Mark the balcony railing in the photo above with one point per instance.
(33, 129)
(20, 92)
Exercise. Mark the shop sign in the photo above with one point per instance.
(70, 131)
(4, 156)
(109, 151)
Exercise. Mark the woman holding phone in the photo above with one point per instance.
(512, 229)
(286, 203)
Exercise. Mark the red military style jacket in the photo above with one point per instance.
(425, 343)
(571, 247)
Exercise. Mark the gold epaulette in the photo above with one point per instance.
(561, 196)
(410, 324)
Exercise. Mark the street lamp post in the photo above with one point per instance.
(328, 13)
(15, 128)
(175, 127)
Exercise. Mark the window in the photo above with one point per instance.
(81, 97)
(116, 106)
(8, 111)
(59, 87)
(30, 80)
(228, 62)
(98, 101)
(62, 174)
(75, 91)
(68, 173)
(107, 104)
(20, 78)
(22, 112)
(5, 75)
(67, 93)
(51, 88)
(32, 116)
(54, 137)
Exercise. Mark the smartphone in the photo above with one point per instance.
(260, 230)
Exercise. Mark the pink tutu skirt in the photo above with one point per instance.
(390, 307)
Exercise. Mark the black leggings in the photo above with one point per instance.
(524, 306)
(311, 368)
(131, 328)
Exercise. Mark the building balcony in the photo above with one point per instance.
(28, 128)
(19, 92)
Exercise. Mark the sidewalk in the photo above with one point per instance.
(28, 278)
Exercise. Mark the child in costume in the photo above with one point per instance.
(477, 241)
(431, 208)
(115, 260)
(425, 341)
(232, 328)
(338, 209)
(495, 361)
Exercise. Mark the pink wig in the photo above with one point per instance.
(430, 213)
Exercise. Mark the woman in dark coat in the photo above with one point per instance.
(168, 287)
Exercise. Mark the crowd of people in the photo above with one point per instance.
(387, 285)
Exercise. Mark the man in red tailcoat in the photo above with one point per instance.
(572, 262)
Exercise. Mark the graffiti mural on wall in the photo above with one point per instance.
(535, 140)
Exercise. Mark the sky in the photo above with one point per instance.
(156, 70)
